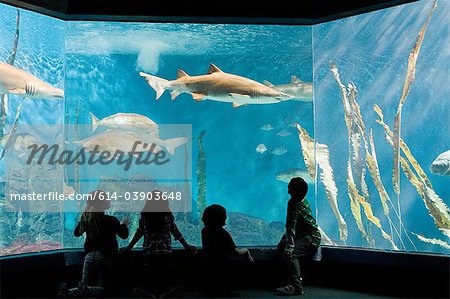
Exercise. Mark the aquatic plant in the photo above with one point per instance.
(318, 153)
(437, 209)
(357, 146)
(410, 74)
(201, 175)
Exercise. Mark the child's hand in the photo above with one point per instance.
(124, 250)
(250, 258)
(288, 254)
(192, 249)
(125, 221)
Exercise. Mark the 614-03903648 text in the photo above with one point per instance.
(107, 196)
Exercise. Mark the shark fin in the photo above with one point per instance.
(238, 95)
(294, 79)
(213, 69)
(17, 91)
(181, 73)
(267, 83)
(158, 84)
(198, 97)
(174, 93)
(94, 121)
(236, 105)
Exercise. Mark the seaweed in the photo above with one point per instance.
(433, 241)
(322, 158)
(437, 209)
(367, 208)
(409, 79)
(326, 240)
(201, 175)
(361, 155)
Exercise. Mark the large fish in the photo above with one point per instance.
(288, 174)
(218, 86)
(112, 141)
(124, 141)
(299, 90)
(126, 121)
(18, 82)
(441, 165)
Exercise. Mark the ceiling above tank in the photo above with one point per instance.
(303, 12)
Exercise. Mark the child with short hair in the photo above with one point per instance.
(302, 237)
(219, 247)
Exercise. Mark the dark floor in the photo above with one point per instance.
(310, 292)
(341, 273)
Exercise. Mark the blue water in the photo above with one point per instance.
(98, 64)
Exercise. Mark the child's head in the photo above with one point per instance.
(214, 216)
(297, 187)
(98, 201)
(156, 203)
(95, 207)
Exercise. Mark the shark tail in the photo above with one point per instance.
(94, 121)
(158, 84)
(174, 143)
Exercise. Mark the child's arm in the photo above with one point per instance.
(79, 229)
(244, 252)
(178, 236)
(122, 228)
(137, 235)
(291, 223)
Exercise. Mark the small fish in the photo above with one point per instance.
(441, 165)
(261, 148)
(278, 151)
(288, 174)
(267, 127)
(284, 133)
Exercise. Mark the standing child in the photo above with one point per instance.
(302, 237)
(100, 246)
(219, 247)
(156, 225)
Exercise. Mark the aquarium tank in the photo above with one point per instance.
(227, 114)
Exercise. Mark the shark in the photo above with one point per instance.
(219, 86)
(299, 90)
(18, 82)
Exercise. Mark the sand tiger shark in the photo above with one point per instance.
(18, 82)
(218, 86)
(299, 90)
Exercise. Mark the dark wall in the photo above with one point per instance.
(304, 12)
(377, 272)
